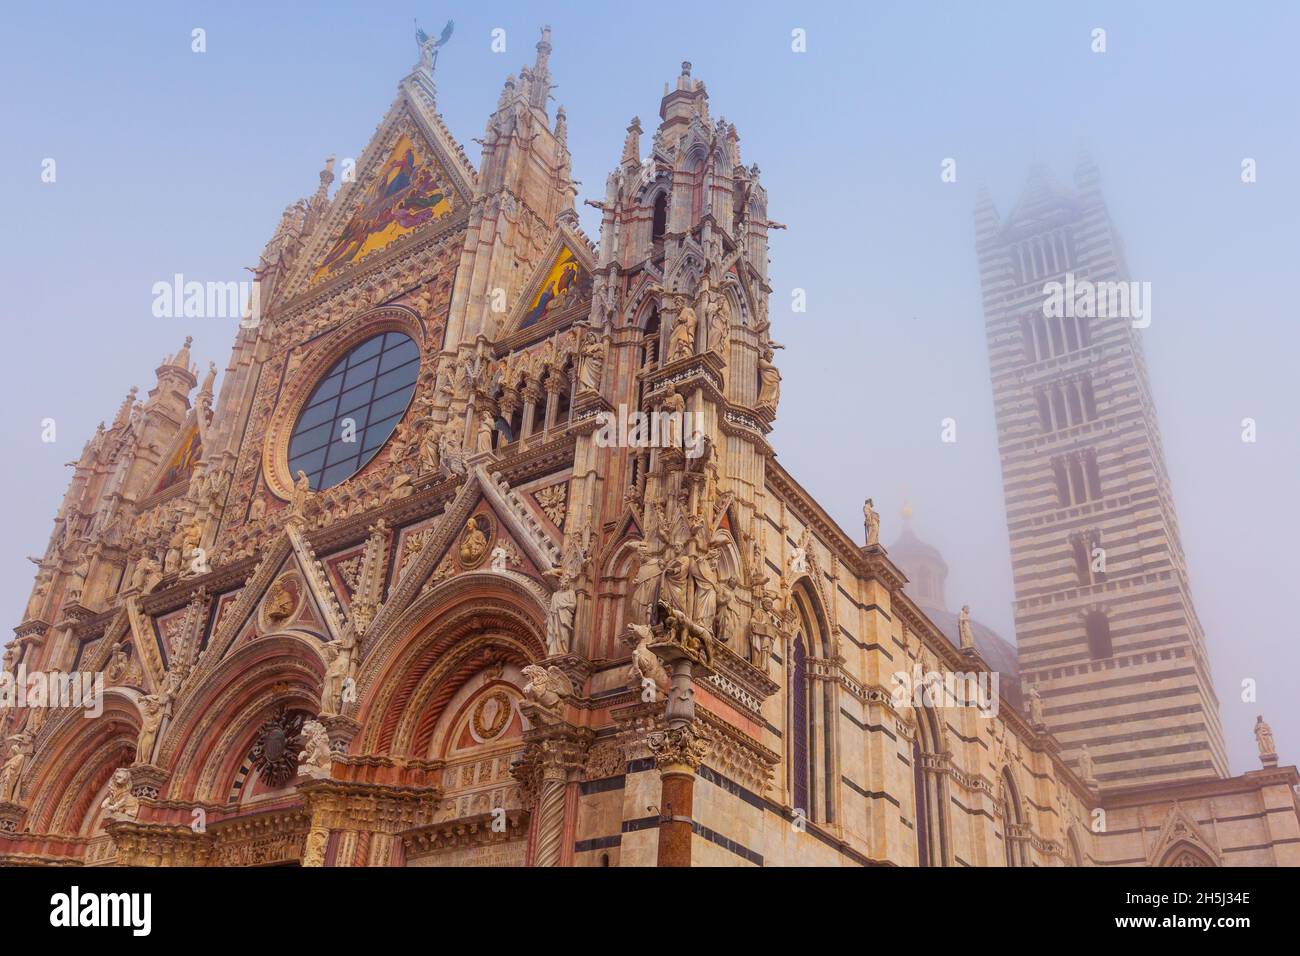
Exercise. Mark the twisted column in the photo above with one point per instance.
(552, 760)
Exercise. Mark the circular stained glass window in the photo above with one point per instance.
(354, 409)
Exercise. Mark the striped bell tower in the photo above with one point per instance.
(1104, 618)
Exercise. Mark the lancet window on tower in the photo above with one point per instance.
(1047, 337)
(799, 783)
(1097, 625)
(1077, 477)
(659, 221)
(1066, 402)
(1088, 556)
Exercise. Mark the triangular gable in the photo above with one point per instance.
(236, 617)
(411, 178)
(1181, 831)
(288, 604)
(411, 540)
(480, 497)
(146, 645)
(562, 279)
(407, 192)
(497, 548)
(328, 611)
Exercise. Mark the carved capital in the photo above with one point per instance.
(148, 781)
(681, 749)
(11, 816)
(341, 730)
(554, 752)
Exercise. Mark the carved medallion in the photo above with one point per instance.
(491, 715)
(281, 602)
(475, 541)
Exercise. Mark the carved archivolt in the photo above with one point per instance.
(75, 757)
(469, 618)
(204, 740)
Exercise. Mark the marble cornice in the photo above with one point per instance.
(1249, 782)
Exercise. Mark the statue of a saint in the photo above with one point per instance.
(964, 631)
(762, 629)
(769, 380)
(871, 518)
(485, 427)
(559, 617)
(78, 582)
(154, 708)
(717, 320)
(1035, 707)
(592, 366)
(1085, 764)
(645, 586)
(11, 772)
(1264, 738)
(37, 601)
(728, 629)
(301, 492)
(673, 590)
(117, 664)
(704, 591)
(682, 342)
(338, 665)
(430, 449)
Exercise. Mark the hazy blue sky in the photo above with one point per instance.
(171, 161)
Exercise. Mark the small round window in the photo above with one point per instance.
(354, 409)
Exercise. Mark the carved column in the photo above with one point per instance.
(679, 749)
(532, 395)
(555, 384)
(551, 765)
(508, 404)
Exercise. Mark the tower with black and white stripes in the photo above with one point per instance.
(1105, 623)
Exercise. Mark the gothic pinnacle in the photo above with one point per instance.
(182, 358)
(632, 144)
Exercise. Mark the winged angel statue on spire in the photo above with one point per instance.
(429, 46)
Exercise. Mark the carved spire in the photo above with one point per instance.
(562, 127)
(681, 107)
(632, 144)
(541, 68)
(540, 76)
(182, 358)
(124, 413)
(507, 95)
(319, 201)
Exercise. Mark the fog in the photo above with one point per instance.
(170, 161)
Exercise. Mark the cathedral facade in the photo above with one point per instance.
(481, 555)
